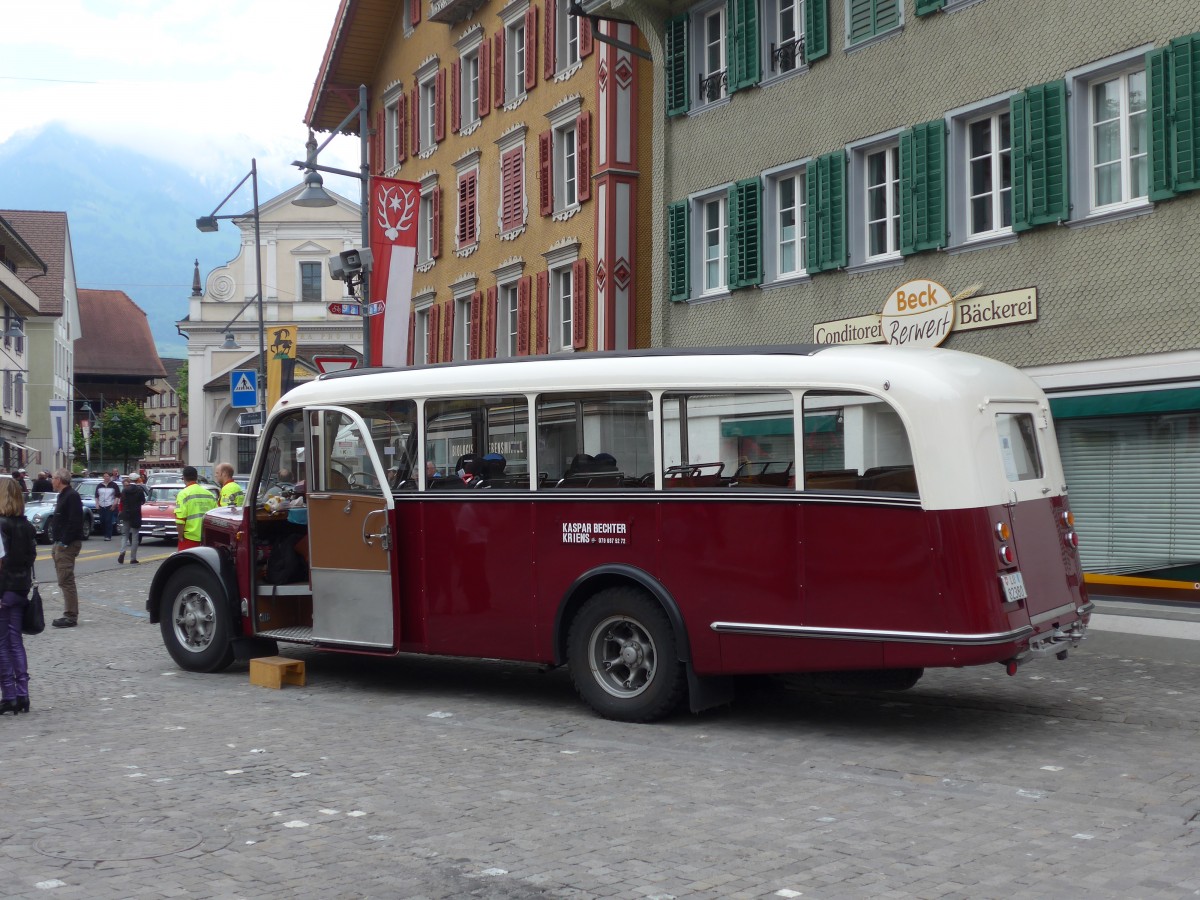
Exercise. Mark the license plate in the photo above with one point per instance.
(1014, 586)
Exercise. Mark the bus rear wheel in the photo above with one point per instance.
(622, 657)
(196, 624)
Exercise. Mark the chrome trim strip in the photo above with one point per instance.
(650, 496)
(1052, 613)
(860, 634)
(1086, 608)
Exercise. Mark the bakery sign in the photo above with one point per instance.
(922, 313)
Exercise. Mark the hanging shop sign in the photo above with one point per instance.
(922, 313)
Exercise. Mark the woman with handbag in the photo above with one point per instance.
(19, 540)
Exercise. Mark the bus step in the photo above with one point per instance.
(276, 671)
(302, 634)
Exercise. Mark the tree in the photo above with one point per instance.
(181, 389)
(127, 433)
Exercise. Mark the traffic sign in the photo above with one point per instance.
(346, 309)
(250, 418)
(334, 363)
(243, 388)
(375, 308)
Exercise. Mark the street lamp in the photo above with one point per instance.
(209, 224)
(315, 195)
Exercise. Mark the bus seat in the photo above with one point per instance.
(831, 479)
(889, 479)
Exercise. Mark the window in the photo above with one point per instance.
(564, 158)
(428, 106)
(866, 19)
(514, 59)
(1118, 142)
(980, 172)
(561, 312)
(712, 217)
(394, 131)
(462, 327)
(8, 389)
(467, 232)
(566, 36)
(469, 88)
(1018, 446)
(311, 282)
(512, 189)
(712, 79)
(855, 442)
(882, 213)
(424, 340)
(595, 441)
(785, 212)
(783, 40)
(565, 167)
(736, 440)
(506, 320)
(477, 443)
(426, 228)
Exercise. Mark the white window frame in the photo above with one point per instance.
(958, 154)
(1081, 141)
(467, 164)
(698, 53)
(771, 27)
(468, 85)
(392, 129)
(856, 206)
(772, 238)
(516, 45)
(702, 231)
(300, 264)
(566, 38)
(561, 314)
(421, 337)
(877, 36)
(461, 292)
(507, 319)
(427, 108)
(511, 140)
(565, 154)
(425, 260)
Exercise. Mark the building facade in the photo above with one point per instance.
(18, 303)
(50, 335)
(1033, 162)
(524, 130)
(162, 407)
(297, 290)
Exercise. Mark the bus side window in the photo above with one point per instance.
(855, 442)
(478, 443)
(599, 439)
(735, 439)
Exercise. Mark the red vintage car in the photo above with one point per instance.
(158, 512)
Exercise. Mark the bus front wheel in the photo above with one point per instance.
(622, 657)
(195, 621)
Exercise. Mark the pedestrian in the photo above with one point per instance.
(132, 498)
(41, 484)
(18, 551)
(19, 478)
(68, 538)
(107, 493)
(231, 492)
(190, 506)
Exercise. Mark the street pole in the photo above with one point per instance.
(262, 325)
(364, 209)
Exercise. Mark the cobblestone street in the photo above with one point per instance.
(428, 777)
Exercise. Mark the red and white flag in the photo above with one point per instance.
(395, 206)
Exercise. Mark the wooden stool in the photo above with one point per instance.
(276, 671)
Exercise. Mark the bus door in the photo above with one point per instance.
(350, 542)
(1046, 578)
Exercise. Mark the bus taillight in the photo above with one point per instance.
(1002, 531)
(1067, 518)
(1006, 555)
(1071, 539)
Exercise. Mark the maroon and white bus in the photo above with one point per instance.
(656, 521)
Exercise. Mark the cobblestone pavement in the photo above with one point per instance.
(426, 777)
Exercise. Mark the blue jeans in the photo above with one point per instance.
(14, 667)
(108, 517)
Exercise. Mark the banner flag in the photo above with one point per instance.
(281, 361)
(58, 424)
(395, 206)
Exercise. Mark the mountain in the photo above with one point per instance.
(132, 218)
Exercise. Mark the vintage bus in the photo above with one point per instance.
(657, 521)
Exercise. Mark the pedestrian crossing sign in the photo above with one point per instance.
(243, 388)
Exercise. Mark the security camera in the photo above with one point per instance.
(350, 264)
(336, 272)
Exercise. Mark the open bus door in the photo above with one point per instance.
(350, 544)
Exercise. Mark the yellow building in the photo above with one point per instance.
(524, 129)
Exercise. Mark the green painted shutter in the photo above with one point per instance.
(826, 188)
(925, 7)
(677, 66)
(871, 17)
(745, 233)
(1185, 107)
(923, 187)
(745, 65)
(887, 15)
(677, 250)
(1158, 77)
(1039, 155)
(816, 29)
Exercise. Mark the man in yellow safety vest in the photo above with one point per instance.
(231, 492)
(190, 506)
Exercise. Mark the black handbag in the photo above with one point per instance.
(34, 619)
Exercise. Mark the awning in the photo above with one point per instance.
(35, 455)
(1130, 403)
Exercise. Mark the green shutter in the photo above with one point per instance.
(1039, 156)
(923, 187)
(1158, 77)
(745, 67)
(745, 233)
(677, 66)
(925, 7)
(871, 17)
(1185, 107)
(816, 29)
(677, 250)
(887, 15)
(826, 188)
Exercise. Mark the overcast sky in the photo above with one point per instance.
(205, 84)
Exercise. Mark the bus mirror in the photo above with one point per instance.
(214, 448)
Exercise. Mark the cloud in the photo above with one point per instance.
(205, 85)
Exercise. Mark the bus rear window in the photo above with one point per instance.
(1018, 446)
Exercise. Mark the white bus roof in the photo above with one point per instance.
(940, 394)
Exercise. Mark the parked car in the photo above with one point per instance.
(39, 510)
(158, 512)
(164, 476)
